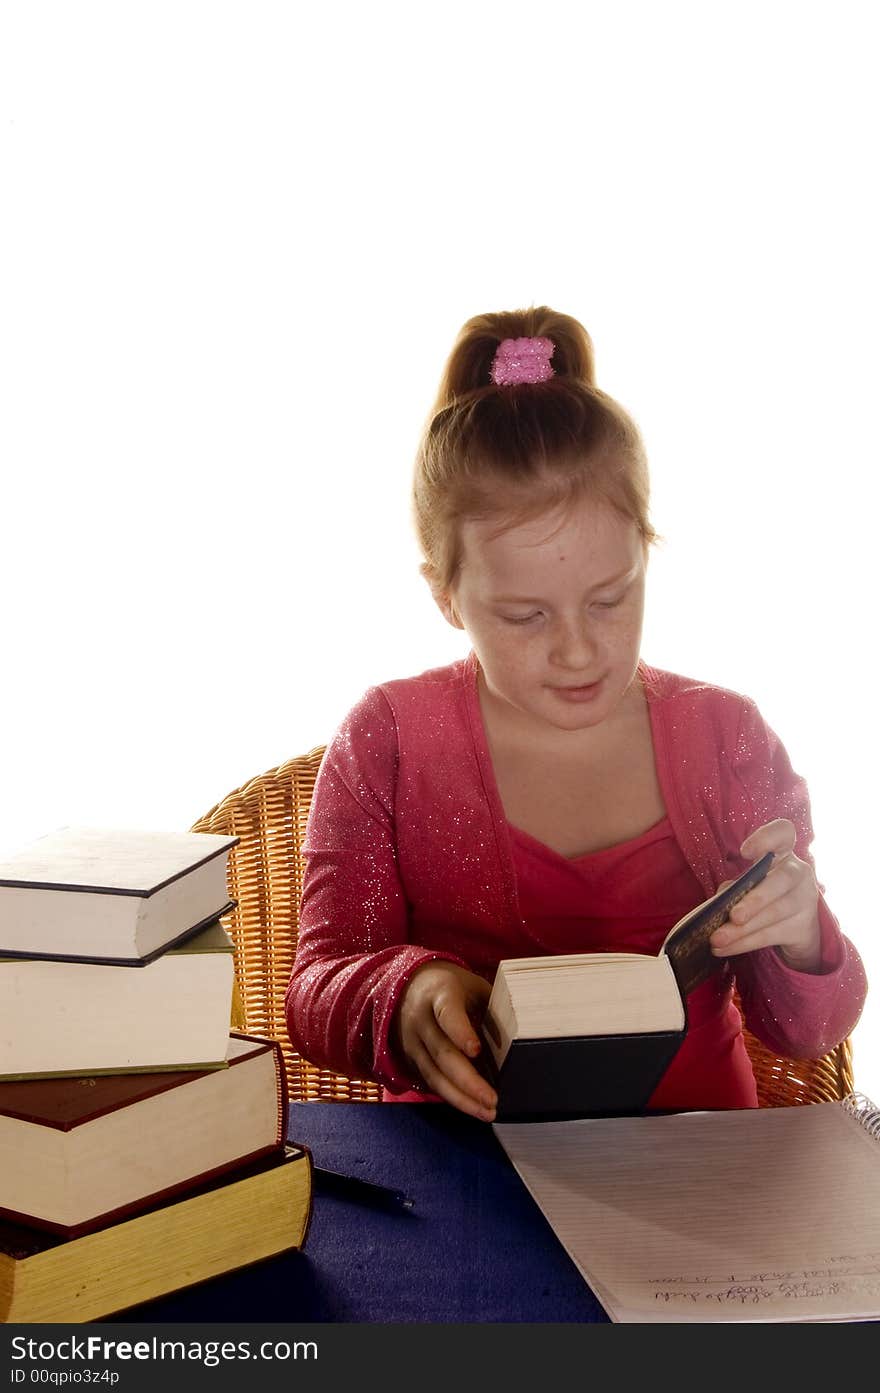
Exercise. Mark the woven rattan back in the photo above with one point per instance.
(265, 878)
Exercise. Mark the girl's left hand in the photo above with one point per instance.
(781, 912)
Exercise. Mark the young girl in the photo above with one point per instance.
(551, 793)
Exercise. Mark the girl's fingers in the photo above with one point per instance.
(456, 1025)
(776, 933)
(783, 910)
(435, 1055)
(455, 1067)
(765, 897)
(778, 836)
(478, 1100)
(438, 1083)
(784, 880)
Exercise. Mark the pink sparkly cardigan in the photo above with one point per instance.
(408, 859)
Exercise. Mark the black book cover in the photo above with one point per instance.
(580, 1076)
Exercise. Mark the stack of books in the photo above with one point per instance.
(142, 1143)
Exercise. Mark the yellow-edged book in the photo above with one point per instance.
(252, 1213)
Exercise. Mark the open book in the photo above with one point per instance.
(757, 1214)
(593, 1033)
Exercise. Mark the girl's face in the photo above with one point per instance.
(554, 608)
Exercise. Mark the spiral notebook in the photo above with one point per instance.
(765, 1214)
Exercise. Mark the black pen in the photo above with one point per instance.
(352, 1187)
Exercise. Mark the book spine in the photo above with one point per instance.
(866, 1113)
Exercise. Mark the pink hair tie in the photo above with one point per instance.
(522, 360)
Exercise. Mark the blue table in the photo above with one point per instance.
(475, 1247)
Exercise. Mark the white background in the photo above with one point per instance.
(238, 241)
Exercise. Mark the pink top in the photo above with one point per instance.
(409, 858)
(627, 898)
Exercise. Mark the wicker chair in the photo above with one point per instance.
(265, 877)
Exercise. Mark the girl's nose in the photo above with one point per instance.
(574, 645)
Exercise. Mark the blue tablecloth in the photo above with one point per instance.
(475, 1247)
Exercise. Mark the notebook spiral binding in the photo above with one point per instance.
(866, 1113)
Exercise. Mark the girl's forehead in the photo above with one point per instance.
(585, 533)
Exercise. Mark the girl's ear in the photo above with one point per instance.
(442, 598)
(446, 606)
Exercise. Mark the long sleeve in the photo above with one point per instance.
(798, 1014)
(354, 955)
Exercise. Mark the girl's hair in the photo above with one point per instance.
(517, 451)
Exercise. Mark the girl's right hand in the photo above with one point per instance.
(434, 1026)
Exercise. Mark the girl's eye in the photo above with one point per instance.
(521, 618)
(609, 604)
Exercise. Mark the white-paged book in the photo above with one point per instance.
(67, 1017)
(111, 895)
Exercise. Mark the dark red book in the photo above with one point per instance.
(79, 1153)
